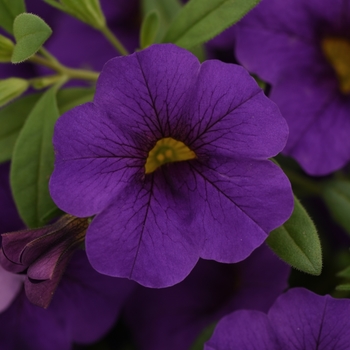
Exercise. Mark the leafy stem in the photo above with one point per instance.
(47, 60)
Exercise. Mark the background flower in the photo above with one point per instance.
(299, 319)
(305, 84)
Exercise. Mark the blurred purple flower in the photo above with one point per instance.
(305, 55)
(212, 290)
(217, 197)
(84, 307)
(298, 320)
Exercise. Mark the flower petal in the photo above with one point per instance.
(94, 159)
(290, 31)
(146, 90)
(145, 234)
(248, 330)
(318, 119)
(240, 197)
(228, 114)
(304, 320)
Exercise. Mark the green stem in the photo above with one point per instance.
(51, 62)
(113, 40)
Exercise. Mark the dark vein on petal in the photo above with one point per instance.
(150, 95)
(143, 227)
(226, 196)
(208, 127)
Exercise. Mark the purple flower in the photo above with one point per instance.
(171, 157)
(298, 320)
(212, 290)
(43, 254)
(305, 56)
(84, 307)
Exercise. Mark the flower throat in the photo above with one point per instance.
(337, 52)
(167, 150)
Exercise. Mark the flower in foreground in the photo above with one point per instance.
(171, 157)
(305, 56)
(298, 320)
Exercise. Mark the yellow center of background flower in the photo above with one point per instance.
(337, 52)
(167, 150)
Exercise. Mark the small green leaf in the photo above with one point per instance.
(201, 20)
(203, 337)
(11, 88)
(336, 195)
(9, 10)
(33, 160)
(87, 11)
(149, 29)
(12, 118)
(167, 10)
(343, 287)
(297, 242)
(30, 32)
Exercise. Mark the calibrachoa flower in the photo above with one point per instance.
(298, 320)
(305, 56)
(171, 157)
(180, 313)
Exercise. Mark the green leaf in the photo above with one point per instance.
(343, 287)
(149, 29)
(88, 11)
(201, 20)
(203, 337)
(30, 32)
(336, 195)
(14, 115)
(11, 88)
(297, 242)
(33, 161)
(12, 118)
(167, 10)
(9, 10)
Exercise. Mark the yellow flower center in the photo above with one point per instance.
(167, 150)
(337, 52)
